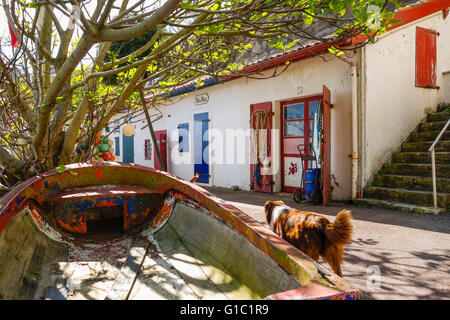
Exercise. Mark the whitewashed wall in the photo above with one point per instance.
(141, 133)
(112, 135)
(229, 109)
(394, 105)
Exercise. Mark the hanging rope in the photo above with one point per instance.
(260, 121)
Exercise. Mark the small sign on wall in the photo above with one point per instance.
(201, 98)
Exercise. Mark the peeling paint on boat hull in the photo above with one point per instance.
(34, 193)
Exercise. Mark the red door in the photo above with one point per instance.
(162, 147)
(261, 175)
(297, 128)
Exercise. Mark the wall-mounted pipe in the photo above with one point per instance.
(355, 156)
(362, 110)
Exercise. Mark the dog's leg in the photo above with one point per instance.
(333, 256)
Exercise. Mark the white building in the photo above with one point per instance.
(378, 96)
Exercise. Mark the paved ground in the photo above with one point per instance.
(393, 255)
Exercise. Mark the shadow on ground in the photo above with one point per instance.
(393, 254)
(382, 274)
(437, 223)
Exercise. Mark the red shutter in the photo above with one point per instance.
(266, 180)
(425, 58)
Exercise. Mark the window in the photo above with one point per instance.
(183, 137)
(425, 58)
(148, 149)
(117, 146)
(293, 111)
(294, 125)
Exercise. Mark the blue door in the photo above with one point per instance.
(201, 142)
(128, 149)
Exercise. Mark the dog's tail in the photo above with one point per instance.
(340, 232)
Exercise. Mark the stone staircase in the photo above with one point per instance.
(405, 183)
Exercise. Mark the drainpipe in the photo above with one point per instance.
(355, 157)
(362, 110)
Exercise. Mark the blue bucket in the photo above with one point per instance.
(311, 178)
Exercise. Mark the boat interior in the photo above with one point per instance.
(63, 237)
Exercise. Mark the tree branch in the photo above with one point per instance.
(139, 29)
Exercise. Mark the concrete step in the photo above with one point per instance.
(423, 146)
(405, 183)
(420, 157)
(432, 126)
(415, 169)
(438, 116)
(427, 136)
(423, 198)
(443, 107)
(406, 207)
(411, 182)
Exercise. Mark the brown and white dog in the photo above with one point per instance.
(311, 232)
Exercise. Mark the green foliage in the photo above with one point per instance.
(335, 51)
(120, 49)
(61, 169)
(217, 47)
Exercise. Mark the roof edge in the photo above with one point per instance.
(405, 14)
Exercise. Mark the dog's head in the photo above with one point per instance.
(268, 208)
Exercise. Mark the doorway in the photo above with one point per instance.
(161, 140)
(261, 175)
(201, 142)
(300, 125)
(128, 149)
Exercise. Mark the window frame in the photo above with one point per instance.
(300, 120)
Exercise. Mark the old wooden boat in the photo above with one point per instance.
(106, 230)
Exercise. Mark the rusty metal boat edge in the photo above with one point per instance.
(314, 286)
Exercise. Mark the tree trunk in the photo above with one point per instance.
(18, 168)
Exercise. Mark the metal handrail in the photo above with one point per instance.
(433, 162)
